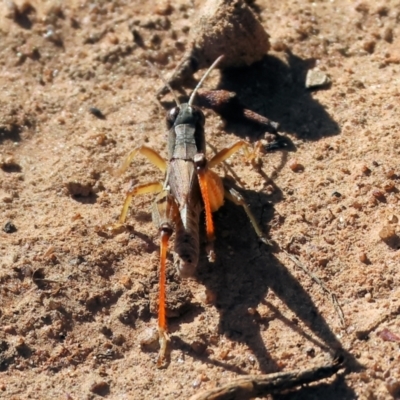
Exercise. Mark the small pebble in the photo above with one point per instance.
(223, 355)
(80, 188)
(316, 79)
(198, 347)
(97, 112)
(295, 166)
(369, 46)
(365, 170)
(12, 11)
(388, 35)
(196, 383)
(164, 8)
(310, 351)
(393, 387)
(148, 336)
(113, 39)
(10, 329)
(393, 219)
(378, 194)
(387, 233)
(9, 164)
(278, 45)
(9, 227)
(388, 336)
(362, 7)
(391, 174)
(363, 258)
(368, 297)
(252, 311)
(100, 388)
(208, 297)
(389, 186)
(126, 281)
(118, 339)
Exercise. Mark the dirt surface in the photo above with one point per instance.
(76, 96)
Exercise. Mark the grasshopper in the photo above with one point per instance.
(189, 186)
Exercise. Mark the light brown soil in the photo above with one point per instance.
(75, 302)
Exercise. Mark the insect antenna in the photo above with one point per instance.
(214, 64)
(157, 71)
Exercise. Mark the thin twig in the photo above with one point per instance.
(332, 296)
(261, 385)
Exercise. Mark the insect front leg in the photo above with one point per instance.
(224, 154)
(149, 153)
(151, 187)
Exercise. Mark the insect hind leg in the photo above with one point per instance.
(236, 198)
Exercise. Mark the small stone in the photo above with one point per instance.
(126, 281)
(365, 170)
(368, 297)
(362, 7)
(196, 383)
(393, 387)
(9, 165)
(204, 378)
(97, 112)
(223, 355)
(316, 79)
(391, 174)
(12, 11)
(323, 262)
(388, 35)
(278, 45)
(101, 388)
(387, 233)
(10, 329)
(393, 219)
(378, 194)
(389, 186)
(9, 227)
(118, 339)
(310, 351)
(295, 166)
(80, 188)
(389, 236)
(7, 199)
(369, 46)
(198, 347)
(363, 258)
(148, 337)
(357, 205)
(208, 297)
(164, 8)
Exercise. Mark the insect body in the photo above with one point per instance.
(189, 186)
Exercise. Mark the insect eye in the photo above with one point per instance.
(172, 115)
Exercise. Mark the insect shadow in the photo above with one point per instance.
(242, 276)
(276, 90)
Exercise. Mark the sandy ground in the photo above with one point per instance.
(76, 301)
